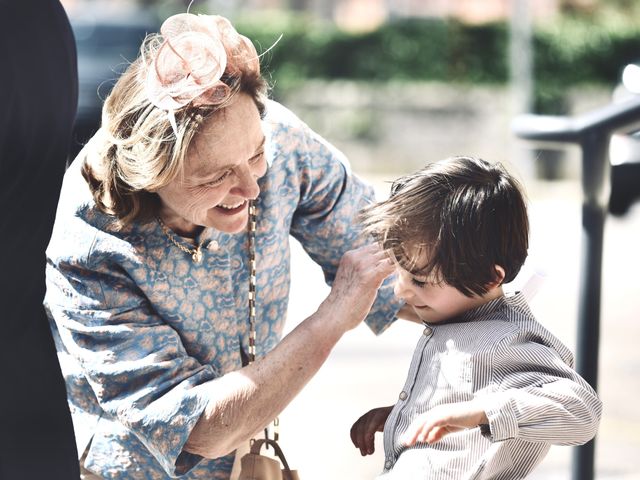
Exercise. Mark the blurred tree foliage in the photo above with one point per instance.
(568, 52)
(577, 51)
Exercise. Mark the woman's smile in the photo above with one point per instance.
(231, 209)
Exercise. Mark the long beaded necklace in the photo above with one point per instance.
(252, 306)
(252, 282)
(196, 255)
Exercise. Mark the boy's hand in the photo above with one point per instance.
(363, 431)
(433, 425)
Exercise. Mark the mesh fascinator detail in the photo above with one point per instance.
(195, 53)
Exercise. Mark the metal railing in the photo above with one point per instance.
(592, 132)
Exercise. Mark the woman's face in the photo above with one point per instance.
(222, 166)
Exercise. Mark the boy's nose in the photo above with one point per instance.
(402, 287)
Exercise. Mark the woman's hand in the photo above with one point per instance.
(360, 274)
(442, 420)
(365, 428)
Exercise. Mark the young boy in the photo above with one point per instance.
(489, 389)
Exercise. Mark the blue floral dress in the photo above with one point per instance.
(140, 327)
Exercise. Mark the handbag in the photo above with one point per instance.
(260, 467)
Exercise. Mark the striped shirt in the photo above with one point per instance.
(499, 353)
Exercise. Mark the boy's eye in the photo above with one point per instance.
(418, 283)
(422, 282)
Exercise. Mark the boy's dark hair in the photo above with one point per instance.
(466, 214)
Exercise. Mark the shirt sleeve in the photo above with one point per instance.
(539, 397)
(135, 363)
(325, 221)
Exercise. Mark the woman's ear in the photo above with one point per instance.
(499, 277)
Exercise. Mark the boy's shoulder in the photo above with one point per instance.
(515, 324)
(503, 320)
(498, 318)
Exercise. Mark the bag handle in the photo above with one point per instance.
(256, 445)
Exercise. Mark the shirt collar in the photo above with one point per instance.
(484, 310)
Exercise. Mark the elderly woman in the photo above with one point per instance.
(168, 268)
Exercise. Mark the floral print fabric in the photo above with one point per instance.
(140, 327)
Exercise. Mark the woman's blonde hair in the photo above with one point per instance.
(136, 151)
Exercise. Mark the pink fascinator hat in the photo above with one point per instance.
(196, 52)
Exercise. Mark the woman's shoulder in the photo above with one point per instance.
(286, 128)
(278, 115)
(290, 137)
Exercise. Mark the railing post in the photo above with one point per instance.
(592, 131)
(595, 183)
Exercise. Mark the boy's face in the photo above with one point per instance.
(433, 302)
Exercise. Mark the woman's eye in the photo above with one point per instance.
(218, 180)
(257, 158)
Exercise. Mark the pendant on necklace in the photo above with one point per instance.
(197, 255)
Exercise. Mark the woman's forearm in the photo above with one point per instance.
(242, 403)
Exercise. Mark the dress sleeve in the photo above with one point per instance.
(539, 397)
(325, 221)
(135, 363)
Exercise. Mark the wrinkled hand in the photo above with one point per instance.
(442, 420)
(365, 428)
(358, 278)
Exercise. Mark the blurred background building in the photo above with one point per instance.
(399, 83)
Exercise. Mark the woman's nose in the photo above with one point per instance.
(247, 182)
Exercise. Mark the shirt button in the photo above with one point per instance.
(403, 395)
(388, 464)
(427, 331)
(213, 246)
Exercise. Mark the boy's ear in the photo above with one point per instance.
(499, 278)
